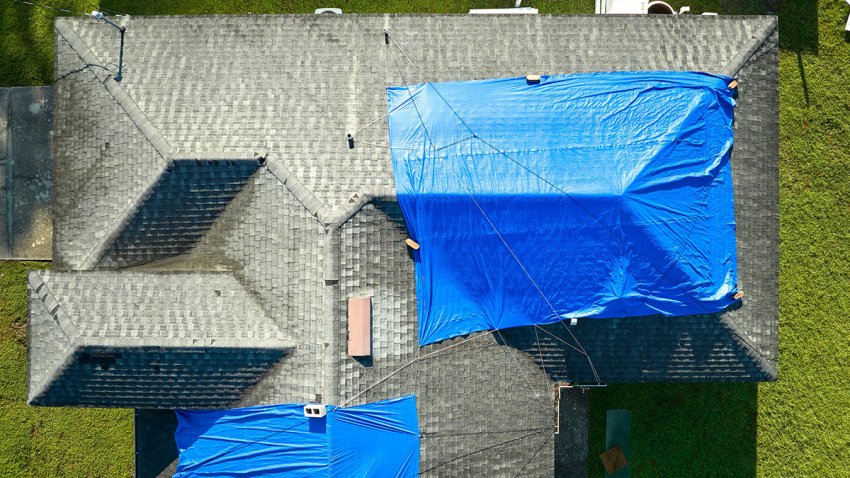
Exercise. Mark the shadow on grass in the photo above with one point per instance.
(26, 56)
(681, 429)
(798, 26)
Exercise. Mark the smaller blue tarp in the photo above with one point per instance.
(376, 439)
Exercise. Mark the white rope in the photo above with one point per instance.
(524, 375)
(533, 282)
(542, 362)
(430, 140)
(535, 454)
(580, 348)
(386, 146)
(552, 185)
(354, 133)
(486, 448)
(410, 96)
(422, 357)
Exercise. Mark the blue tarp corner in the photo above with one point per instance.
(590, 195)
(376, 439)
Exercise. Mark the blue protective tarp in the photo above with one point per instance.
(610, 192)
(377, 439)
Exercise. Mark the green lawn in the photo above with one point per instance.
(49, 441)
(798, 426)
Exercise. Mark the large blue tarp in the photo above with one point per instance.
(377, 439)
(589, 195)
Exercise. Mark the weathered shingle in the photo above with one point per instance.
(318, 223)
(179, 209)
(101, 160)
(211, 83)
(156, 340)
(148, 305)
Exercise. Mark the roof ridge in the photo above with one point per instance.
(52, 305)
(129, 213)
(302, 193)
(51, 375)
(357, 201)
(750, 47)
(99, 250)
(767, 365)
(131, 109)
(68, 329)
(329, 217)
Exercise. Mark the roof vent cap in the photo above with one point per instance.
(315, 410)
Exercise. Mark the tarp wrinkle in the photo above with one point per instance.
(268, 441)
(612, 191)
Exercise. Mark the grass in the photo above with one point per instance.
(797, 426)
(49, 442)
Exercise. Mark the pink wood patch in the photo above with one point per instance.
(359, 326)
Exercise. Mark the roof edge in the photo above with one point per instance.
(750, 47)
(40, 390)
(768, 367)
(188, 344)
(219, 156)
(37, 394)
(136, 115)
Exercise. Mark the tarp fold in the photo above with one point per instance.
(591, 195)
(376, 439)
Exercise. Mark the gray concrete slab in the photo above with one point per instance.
(5, 217)
(27, 225)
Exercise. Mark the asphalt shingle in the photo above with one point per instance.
(156, 340)
(318, 223)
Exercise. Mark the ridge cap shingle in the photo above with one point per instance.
(52, 305)
(767, 365)
(131, 109)
(750, 47)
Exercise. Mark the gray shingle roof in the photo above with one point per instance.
(178, 210)
(318, 222)
(107, 338)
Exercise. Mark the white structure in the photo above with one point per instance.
(847, 27)
(315, 410)
(626, 7)
(504, 11)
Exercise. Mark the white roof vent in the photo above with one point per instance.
(315, 410)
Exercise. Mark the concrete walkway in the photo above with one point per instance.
(26, 121)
